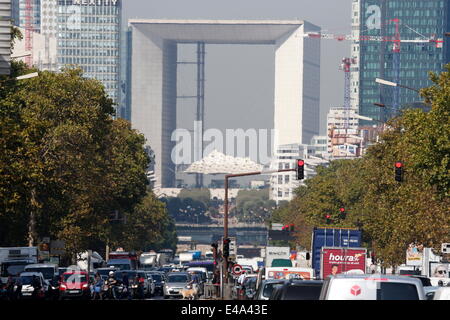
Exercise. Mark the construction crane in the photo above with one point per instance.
(29, 32)
(396, 40)
(346, 67)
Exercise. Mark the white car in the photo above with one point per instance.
(26, 279)
(443, 293)
(372, 287)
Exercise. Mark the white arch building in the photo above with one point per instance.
(154, 77)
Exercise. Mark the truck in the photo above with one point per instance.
(342, 260)
(14, 259)
(186, 257)
(148, 260)
(331, 237)
(196, 254)
(96, 261)
(123, 260)
(274, 253)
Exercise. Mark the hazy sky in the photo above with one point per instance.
(239, 79)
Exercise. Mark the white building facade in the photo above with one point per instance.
(154, 77)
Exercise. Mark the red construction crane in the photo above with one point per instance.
(29, 32)
(396, 40)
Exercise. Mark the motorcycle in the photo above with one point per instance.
(112, 291)
(137, 290)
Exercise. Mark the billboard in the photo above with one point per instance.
(342, 260)
(414, 255)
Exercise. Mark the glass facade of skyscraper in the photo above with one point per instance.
(89, 37)
(18, 13)
(418, 19)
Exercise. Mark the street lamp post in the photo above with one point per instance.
(225, 221)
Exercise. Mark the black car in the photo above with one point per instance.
(158, 279)
(298, 290)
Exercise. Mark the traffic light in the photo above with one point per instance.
(291, 227)
(328, 217)
(214, 247)
(226, 247)
(300, 169)
(342, 212)
(399, 171)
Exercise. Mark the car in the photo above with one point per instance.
(158, 280)
(74, 284)
(149, 289)
(249, 287)
(372, 287)
(48, 270)
(443, 293)
(266, 287)
(175, 282)
(297, 290)
(430, 291)
(426, 282)
(26, 279)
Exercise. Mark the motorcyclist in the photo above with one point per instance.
(140, 287)
(36, 284)
(126, 286)
(111, 282)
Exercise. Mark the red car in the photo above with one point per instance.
(74, 284)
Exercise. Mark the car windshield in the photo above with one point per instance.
(13, 269)
(268, 289)
(303, 292)
(397, 291)
(120, 266)
(156, 277)
(177, 278)
(74, 277)
(47, 272)
(26, 280)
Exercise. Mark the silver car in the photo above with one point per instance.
(175, 282)
(265, 289)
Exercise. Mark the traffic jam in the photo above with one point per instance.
(336, 268)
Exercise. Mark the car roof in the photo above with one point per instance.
(376, 277)
(30, 274)
(178, 272)
(75, 272)
(41, 265)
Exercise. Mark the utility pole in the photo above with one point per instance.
(225, 276)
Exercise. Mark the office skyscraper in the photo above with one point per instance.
(418, 19)
(18, 13)
(89, 37)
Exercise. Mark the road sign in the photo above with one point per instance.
(445, 248)
(237, 270)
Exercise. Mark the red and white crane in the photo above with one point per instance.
(29, 21)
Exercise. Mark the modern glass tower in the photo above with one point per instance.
(18, 13)
(89, 37)
(417, 19)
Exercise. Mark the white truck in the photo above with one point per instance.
(273, 253)
(186, 257)
(96, 261)
(14, 259)
(148, 260)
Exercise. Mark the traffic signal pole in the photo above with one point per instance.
(225, 219)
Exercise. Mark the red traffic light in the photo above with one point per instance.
(328, 216)
(301, 163)
(398, 165)
(342, 209)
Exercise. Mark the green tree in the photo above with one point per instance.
(66, 166)
(148, 226)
